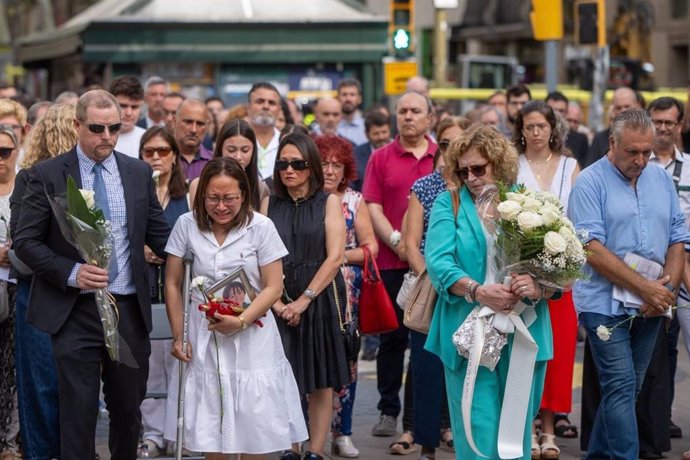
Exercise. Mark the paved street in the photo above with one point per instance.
(377, 448)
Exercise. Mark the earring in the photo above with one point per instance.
(522, 141)
(552, 140)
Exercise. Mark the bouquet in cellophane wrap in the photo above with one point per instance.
(85, 227)
(533, 236)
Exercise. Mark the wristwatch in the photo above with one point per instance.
(395, 238)
(309, 293)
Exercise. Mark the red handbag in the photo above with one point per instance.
(376, 312)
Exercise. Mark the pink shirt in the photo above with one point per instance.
(391, 171)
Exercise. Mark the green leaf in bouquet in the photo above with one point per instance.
(76, 205)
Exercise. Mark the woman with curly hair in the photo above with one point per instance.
(339, 170)
(545, 164)
(37, 393)
(459, 255)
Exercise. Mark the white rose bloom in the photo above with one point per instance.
(516, 197)
(554, 243)
(550, 214)
(566, 232)
(532, 204)
(156, 176)
(89, 196)
(604, 333)
(509, 210)
(528, 220)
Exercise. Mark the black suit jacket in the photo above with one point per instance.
(362, 153)
(578, 145)
(40, 244)
(599, 147)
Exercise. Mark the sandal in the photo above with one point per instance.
(536, 451)
(447, 442)
(563, 428)
(549, 449)
(402, 446)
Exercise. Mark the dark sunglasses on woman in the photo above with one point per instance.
(297, 165)
(148, 152)
(477, 171)
(6, 152)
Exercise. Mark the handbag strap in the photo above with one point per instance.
(371, 270)
(337, 306)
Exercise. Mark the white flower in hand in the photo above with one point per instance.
(156, 176)
(604, 333)
(529, 220)
(89, 197)
(509, 210)
(516, 197)
(532, 204)
(550, 213)
(554, 243)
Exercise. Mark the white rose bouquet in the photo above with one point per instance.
(84, 226)
(533, 236)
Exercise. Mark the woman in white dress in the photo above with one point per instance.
(544, 165)
(240, 393)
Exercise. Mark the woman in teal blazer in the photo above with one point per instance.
(457, 262)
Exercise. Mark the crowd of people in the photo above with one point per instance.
(297, 209)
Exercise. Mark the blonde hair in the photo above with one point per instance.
(10, 108)
(51, 135)
(492, 145)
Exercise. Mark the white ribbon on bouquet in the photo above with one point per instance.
(518, 383)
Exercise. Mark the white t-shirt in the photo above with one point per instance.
(128, 143)
(267, 156)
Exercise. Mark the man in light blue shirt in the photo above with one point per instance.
(620, 206)
(351, 125)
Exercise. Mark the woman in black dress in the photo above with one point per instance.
(311, 225)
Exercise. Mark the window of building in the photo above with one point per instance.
(679, 9)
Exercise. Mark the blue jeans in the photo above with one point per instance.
(37, 390)
(621, 362)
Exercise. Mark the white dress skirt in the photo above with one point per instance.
(240, 393)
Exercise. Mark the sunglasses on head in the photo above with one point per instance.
(476, 170)
(148, 152)
(6, 152)
(297, 165)
(98, 129)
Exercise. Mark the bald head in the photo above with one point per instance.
(328, 112)
(418, 85)
(624, 98)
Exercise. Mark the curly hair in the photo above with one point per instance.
(558, 130)
(52, 135)
(491, 145)
(332, 147)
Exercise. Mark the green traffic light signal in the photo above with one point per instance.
(401, 39)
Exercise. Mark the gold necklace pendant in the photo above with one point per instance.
(533, 162)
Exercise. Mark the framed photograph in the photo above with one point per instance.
(235, 286)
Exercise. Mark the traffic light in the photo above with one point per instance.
(590, 22)
(547, 19)
(401, 28)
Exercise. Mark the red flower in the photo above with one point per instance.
(225, 306)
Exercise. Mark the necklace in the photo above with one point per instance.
(543, 162)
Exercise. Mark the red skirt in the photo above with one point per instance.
(558, 385)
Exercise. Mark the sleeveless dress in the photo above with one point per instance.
(315, 348)
(558, 394)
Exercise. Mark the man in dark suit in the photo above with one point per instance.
(576, 142)
(377, 126)
(62, 301)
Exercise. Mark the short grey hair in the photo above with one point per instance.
(155, 80)
(429, 102)
(99, 98)
(633, 119)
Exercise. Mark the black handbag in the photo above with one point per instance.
(348, 329)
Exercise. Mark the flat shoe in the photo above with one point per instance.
(536, 451)
(549, 449)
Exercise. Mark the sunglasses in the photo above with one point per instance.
(162, 152)
(297, 165)
(476, 170)
(443, 145)
(6, 152)
(98, 129)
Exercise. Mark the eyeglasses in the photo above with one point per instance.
(541, 127)
(162, 152)
(476, 170)
(6, 152)
(666, 123)
(297, 165)
(226, 200)
(98, 129)
(335, 166)
(443, 145)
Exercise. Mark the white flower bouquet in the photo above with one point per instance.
(533, 236)
(84, 226)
